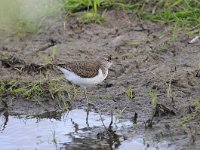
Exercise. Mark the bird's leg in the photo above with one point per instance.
(72, 96)
(85, 94)
(74, 91)
(88, 103)
(88, 111)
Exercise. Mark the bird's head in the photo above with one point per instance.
(107, 61)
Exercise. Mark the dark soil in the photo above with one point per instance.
(145, 56)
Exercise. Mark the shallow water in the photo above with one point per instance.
(76, 129)
(53, 130)
(139, 144)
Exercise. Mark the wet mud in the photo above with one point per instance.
(146, 57)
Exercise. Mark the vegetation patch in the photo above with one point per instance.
(15, 17)
(37, 89)
(21, 66)
(80, 5)
(89, 17)
(185, 13)
(194, 114)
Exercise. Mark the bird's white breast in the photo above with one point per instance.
(75, 79)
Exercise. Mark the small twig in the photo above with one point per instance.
(134, 119)
(5, 105)
(194, 39)
(104, 124)
(52, 43)
(102, 121)
(76, 126)
(167, 84)
(149, 122)
(5, 114)
(111, 121)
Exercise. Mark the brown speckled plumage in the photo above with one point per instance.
(84, 69)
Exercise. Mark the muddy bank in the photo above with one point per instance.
(145, 56)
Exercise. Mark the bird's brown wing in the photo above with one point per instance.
(84, 69)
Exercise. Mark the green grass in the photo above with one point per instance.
(185, 13)
(119, 114)
(167, 83)
(48, 59)
(154, 97)
(79, 5)
(92, 17)
(182, 17)
(134, 43)
(16, 17)
(91, 14)
(37, 91)
(130, 93)
(50, 88)
(91, 7)
(184, 121)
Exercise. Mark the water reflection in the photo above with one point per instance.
(48, 115)
(86, 144)
(4, 114)
(58, 130)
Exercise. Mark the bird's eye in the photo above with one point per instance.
(109, 58)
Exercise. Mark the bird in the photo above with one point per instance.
(86, 73)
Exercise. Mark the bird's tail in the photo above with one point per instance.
(59, 67)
